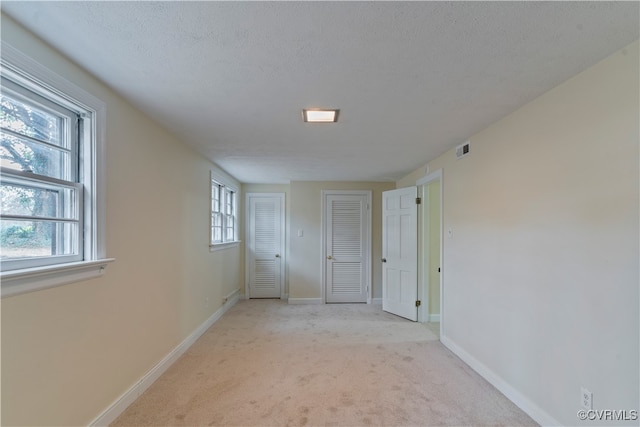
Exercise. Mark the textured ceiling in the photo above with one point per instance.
(411, 79)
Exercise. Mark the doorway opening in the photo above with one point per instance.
(430, 272)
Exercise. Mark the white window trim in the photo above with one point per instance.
(226, 245)
(16, 282)
(225, 182)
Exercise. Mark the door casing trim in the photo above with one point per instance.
(424, 316)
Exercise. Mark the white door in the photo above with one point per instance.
(347, 233)
(400, 252)
(265, 245)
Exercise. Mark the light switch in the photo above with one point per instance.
(300, 232)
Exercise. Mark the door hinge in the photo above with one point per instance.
(438, 269)
(418, 201)
(418, 303)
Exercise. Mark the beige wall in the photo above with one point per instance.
(70, 351)
(541, 271)
(410, 180)
(305, 263)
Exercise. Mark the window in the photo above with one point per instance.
(51, 225)
(41, 193)
(223, 213)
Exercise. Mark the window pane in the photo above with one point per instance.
(216, 228)
(216, 220)
(215, 197)
(229, 202)
(31, 121)
(28, 239)
(32, 200)
(216, 234)
(24, 155)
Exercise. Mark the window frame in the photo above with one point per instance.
(26, 72)
(70, 179)
(219, 208)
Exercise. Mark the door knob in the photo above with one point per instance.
(329, 257)
(277, 255)
(383, 260)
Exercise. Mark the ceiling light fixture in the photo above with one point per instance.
(317, 115)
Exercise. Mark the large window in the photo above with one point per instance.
(51, 213)
(41, 192)
(223, 213)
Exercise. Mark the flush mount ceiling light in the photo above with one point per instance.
(318, 115)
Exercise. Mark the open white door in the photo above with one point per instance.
(265, 245)
(400, 252)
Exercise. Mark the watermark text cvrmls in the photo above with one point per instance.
(608, 415)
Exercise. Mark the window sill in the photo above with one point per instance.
(18, 282)
(221, 246)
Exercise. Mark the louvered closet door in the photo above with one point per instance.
(346, 245)
(264, 249)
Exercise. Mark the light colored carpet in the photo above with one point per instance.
(266, 363)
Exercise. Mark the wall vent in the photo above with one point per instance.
(463, 149)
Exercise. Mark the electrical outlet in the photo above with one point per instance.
(586, 398)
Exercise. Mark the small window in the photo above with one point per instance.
(223, 213)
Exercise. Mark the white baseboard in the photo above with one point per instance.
(376, 301)
(434, 318)
(305, 300)
(233, 295)
(524, 403)
(127, 398)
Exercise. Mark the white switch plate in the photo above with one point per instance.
(300, 232)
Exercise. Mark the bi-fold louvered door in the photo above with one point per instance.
(265, 245)
(347, 248)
